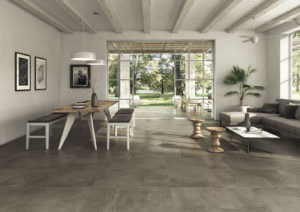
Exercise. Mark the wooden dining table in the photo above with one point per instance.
(71, 116)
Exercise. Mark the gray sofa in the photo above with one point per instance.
(269, 121)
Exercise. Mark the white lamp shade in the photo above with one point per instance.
(83, 56)
(98, 62)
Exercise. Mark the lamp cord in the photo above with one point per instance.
(82, 22)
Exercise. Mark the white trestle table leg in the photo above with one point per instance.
(92, 130)
(69, 122)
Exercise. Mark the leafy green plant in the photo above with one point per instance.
(239, 76)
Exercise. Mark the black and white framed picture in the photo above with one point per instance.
(22, 72)
(80, 76)
(40, 74)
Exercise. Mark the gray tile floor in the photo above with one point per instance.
(165, 170)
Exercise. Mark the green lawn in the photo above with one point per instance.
(156, 99)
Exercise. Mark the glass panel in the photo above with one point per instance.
(199, 88)
(296, 67)
(179, 66)
(208, 50)
(208, 106)
(113, 66)
(113, 88)
(208, 86)
(196, 56)
(180, 88)
(208, 70)
(199, 69)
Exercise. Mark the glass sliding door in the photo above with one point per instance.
(179, 69)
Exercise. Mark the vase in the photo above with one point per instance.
(247, 122)
(94, 101)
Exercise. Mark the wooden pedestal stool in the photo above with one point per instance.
(215, 136)
(197, 127)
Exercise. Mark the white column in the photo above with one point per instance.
(124, 84)
(190, 73)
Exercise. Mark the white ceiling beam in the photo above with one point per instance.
(260, 10)
(146, 6)
(110, 14)
(33, 8)
(186, 7)
(220, 13)
(279, 20)
(75, 14)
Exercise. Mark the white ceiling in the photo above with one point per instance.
(164, 13)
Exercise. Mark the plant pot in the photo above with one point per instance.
(243, 108)
(136, 101)
(176, 100)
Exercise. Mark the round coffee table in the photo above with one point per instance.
(215, 136)
(197, 127)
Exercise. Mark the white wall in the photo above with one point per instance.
(229, 51)
(24, 33)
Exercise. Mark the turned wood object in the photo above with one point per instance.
(215, 137)
(197, 127)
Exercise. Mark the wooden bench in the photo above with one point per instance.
(44, 121)
(123, 118)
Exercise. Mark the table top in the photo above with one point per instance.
(215, 129)
(254, 132)
(197, 119)
(89, 109)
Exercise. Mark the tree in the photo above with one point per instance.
(240, 77)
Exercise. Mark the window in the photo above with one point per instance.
(295, 72)
(178, 68)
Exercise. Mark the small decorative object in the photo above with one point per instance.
(247, 122)
(40, 73)
(94, 100)
(215, 137)
(22, 72)
(80, 105)
(80, 76)
(197, 127)
(136, 100)
(239, 76)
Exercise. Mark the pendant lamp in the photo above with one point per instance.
(83, 55)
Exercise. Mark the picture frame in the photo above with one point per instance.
(40, 73)
(22, 72)
(80, 76)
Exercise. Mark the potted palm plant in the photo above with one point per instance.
(239, 76)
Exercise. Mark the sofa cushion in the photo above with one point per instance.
(290, 111)
(297, 113)
(282, 106)
(238, 118)
(256, 118)
(269, 108)
(287, 125)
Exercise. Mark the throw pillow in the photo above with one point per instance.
(269, 108)
(290, 111)
(297, 114)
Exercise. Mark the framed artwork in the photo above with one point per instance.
(80, 76)
(22, 72)
(40, 73)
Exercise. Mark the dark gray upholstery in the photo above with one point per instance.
(121, 118)
(125, 111)
(256, 118)
(268, 120)
(282, 124)
(297, 114)
(48, 118)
